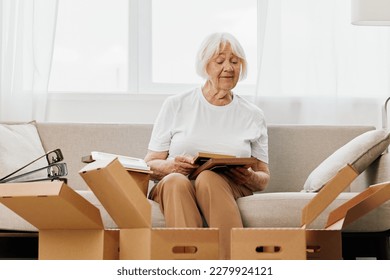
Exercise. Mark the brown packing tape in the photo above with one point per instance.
(327, 194)
(358, 206)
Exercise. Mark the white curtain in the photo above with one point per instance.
(316, 67)
(27, 29)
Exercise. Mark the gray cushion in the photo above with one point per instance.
(360, 152)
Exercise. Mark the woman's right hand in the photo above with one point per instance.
(183, 164)
(161, 166)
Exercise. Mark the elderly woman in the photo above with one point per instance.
(213, 119)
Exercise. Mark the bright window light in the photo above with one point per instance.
(91, 46)
(179, 27)
(143, 46)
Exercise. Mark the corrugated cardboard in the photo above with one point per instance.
(328, 241)
(169, 244)
(142, 180)
(268, 244)
(137, 175)
(69, 226)
(119, 194)
(323, 244)
(288, 243)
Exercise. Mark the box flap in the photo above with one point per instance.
(119, 193)
(358, 206)
(50, 205)
(328, 194)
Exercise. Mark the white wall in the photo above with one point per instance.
(99, 108)
(144, 109)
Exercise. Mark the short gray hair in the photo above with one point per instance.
(212, 45)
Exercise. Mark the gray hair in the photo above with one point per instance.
(212, 45)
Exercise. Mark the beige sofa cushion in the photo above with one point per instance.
(77, 140)
(285, 210)
(19, 145)
(360, 152)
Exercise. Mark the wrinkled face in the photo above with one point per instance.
(223, 69)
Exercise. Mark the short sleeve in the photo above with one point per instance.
(161, 135)
(260, 145)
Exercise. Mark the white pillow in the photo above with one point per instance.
(19, 145)
(360, 152)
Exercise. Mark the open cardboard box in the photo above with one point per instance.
(126, 203)
(326, 243)
(70, 227)
(288, 243)
(140, 177)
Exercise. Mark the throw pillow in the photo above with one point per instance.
(360, 152)
(19, 145)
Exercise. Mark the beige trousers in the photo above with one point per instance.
(211, 195)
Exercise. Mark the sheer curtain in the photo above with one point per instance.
(27, 29)
(317, 68)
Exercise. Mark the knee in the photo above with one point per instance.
(205, 176)
(206, 180)
(176, 182)
(175, 178)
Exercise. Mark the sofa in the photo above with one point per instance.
(295, 151)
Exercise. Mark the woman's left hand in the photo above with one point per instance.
(239, 175)
(255, 178)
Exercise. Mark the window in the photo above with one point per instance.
(91, 47)
(312, 49)
(144, 46)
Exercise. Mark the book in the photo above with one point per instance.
(130, 163)
(202, 157)
(219, 164)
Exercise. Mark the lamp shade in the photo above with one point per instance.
(370, 12)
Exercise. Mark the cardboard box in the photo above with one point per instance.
(119, 194)
(141, 179)
(268, 244)
(140, 176)
(327, 243)
(288, 243)
(69, 226)
(169, 244)
(323, 245)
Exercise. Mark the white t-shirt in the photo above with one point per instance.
(188, 124)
